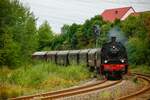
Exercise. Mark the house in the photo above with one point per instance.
(117, 13)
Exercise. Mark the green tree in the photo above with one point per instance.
(74, 42)
(65, 29)
(45, 35)
(137, 29)
(17, 33)
(137, 51)
(77, 36)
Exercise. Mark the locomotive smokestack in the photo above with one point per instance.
(113, 39)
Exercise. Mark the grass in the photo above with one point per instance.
(144, 69)
(38, 78)
(44, 76)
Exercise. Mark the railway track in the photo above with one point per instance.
(70, 92)
(89, 88)
(146, 87)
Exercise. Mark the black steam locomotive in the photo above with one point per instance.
(114, 61)
(110, 60)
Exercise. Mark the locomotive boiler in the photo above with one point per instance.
(114, 61)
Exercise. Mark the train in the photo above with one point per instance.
(110, 60)
(114, 60)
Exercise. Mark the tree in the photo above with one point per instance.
(137, 29)
(45, 35)
(77, 36)
(65, 29)
(137, 51)
(17, 33)
(129, 26)
(74, 42)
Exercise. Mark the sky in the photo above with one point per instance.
(60, 12)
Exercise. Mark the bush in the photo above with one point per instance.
(137, 51)
(140, 69)
(41, 77)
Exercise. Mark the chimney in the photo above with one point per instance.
(113, 39)
(116, 12)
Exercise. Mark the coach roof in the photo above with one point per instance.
(51, 52)
(40, 53)
(63, 52)
(74, 51)
(94, 50)
(84, 51)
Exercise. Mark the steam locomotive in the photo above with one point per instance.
(114, 61)
(110, 60)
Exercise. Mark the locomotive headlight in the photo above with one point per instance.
(105, 61)
(113, 47)
(122, 60)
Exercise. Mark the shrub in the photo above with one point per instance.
(40, 77)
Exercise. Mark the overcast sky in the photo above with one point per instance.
(60, 12)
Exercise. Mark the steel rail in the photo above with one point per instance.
(81, 91)
(57, 92)
(143, 90)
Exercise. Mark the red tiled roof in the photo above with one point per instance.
(112, 14)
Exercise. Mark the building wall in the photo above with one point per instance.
(128, 13)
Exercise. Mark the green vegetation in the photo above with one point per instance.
(17, 33)
(40, 77)
(140, 69)
(137, 29)
(45, 36)
(79, 36)
(19, 38)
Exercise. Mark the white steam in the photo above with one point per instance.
(116, 32)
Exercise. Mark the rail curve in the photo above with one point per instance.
(58, 92)
(70, 92)
(146, 87)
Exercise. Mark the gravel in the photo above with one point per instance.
(111, 93)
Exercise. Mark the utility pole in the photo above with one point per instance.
(96, 32)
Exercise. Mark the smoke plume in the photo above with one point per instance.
(116, 32)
